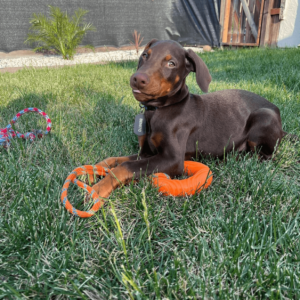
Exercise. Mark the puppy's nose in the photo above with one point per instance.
(141, 79)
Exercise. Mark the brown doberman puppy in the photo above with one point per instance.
(180, 124)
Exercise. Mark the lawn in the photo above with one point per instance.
(239, 239)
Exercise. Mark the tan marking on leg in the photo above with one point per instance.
(119, 175)
(156, 139)
(252, 145)
(142, 139)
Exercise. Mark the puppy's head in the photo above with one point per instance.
(162, 69)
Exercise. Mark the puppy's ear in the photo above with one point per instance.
(146, 48)
(195, 64)
(150, 44)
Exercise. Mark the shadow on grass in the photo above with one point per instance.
(40, 149)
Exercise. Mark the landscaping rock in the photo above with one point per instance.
(207, 48)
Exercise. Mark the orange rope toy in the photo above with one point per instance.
(98, 170)
(201, 178)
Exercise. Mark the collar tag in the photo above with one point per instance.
(140, 125)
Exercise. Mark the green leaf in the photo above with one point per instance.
(59, 32)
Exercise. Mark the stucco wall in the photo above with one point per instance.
(289, 32)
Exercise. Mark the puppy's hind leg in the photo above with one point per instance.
(264, 132)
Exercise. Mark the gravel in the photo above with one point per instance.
(56, 60)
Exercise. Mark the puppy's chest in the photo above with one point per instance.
(155, 133)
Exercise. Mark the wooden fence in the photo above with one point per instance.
(250, 22)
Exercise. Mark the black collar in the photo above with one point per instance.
(148, 107)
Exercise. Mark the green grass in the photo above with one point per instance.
(237, 240)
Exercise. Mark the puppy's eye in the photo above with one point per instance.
(171, 64)
(144, 55)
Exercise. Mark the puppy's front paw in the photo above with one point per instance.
(104, 163)
(103, 188)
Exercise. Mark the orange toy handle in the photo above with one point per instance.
(201, 178)
(98, 202)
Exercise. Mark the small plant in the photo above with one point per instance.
(59, 32)
(137, 41)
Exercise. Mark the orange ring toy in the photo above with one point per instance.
(201, 179)
(98, 170)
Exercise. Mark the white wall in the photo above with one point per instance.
(289, 32)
